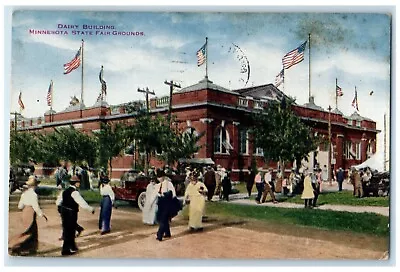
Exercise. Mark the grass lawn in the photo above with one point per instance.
(342, 198)
(367, 223)
(333, 198)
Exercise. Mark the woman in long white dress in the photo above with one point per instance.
(150, 204)
(195, 196)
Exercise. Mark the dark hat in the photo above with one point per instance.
(160, 173)
(74, 179)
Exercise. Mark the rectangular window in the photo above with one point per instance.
(358, 123)
(243, 141)
(258, 151)
(358, 151)
(348, 150)
(350, 122)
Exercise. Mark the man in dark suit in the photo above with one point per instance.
(340, 178)
(69, 203)
(210, 182)
(250, 180)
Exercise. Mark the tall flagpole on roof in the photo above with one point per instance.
(336, 93)
(82, 78)
(207, 57)
(309, 66)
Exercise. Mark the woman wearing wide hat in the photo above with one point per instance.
(26, 242)
(106, 204)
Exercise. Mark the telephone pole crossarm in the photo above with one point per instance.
(171, 85)
(147, 92)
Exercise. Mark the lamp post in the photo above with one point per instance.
(329, 146)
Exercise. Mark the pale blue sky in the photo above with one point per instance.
(352, 47)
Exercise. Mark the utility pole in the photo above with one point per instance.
(15, 120)
(147, 92)
(171, 89)
(329, 146)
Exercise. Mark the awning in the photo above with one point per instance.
(206, 161)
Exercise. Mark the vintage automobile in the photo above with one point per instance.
(133, 187)
(378, 185)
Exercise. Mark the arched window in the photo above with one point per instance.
(221, 141)
(191, 131)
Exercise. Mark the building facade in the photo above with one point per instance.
(223, 116)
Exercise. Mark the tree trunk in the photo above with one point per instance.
(110, 164)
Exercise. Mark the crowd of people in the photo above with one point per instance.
(161, 203)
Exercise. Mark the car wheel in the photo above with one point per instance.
(141, 200)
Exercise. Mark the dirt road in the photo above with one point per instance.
(247, 239)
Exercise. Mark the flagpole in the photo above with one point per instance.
(51, 104)
(309, 66)
(81, 78)
(336, 93)
(206, 57)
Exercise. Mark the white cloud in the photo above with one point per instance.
(164, 41)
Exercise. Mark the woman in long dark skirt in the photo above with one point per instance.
(106, 205)
(26, 243)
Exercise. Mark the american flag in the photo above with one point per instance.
(201, 55)
(339, 91)
(103, 82)
(99, 97)
(355, 101)
(74, 63)
(50, 94)
(280, 78)
(293, 57)
(20, 103)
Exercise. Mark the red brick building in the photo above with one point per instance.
(224, 117)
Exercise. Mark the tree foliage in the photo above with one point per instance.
(281, 134)
(111, 143)
(23, 147)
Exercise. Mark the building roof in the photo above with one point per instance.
(358, 117)
(267, 91)
(311, 104)
(337, 111)
(203, 84)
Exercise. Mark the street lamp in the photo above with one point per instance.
(329, 147)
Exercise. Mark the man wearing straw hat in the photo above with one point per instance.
(27, 242)
(71, 200)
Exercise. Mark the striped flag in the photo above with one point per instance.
(99, 98)
(280, 78)
(103, 82)
(201, 55)
(50, 94)
(74, 63)
(20, 103)
(339, 91)
(355, 101)
(293, 57)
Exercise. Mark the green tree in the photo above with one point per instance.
(23, 146)
(281, 134)
(111, 143)
(72, 145)
(179, 145)
(151, 134)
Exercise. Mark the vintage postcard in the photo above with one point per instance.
(251, 135)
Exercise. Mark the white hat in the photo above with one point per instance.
(32, 181)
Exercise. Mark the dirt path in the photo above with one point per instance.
(221, 238)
